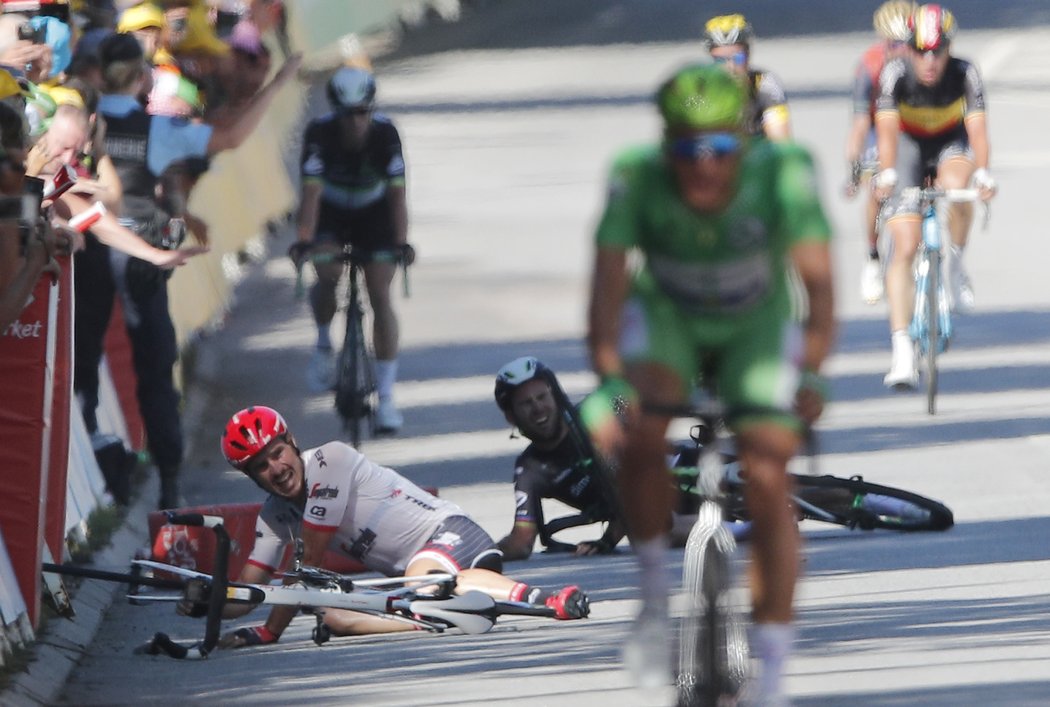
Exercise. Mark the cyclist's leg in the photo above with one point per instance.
(320, 374)
(760, 372)
(378, 277)
(343, 622)
(904, 225)
(955, 167)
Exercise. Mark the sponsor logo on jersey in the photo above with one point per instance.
(520, 499)
(319, 456)
(421, 503)
(581, 485)
(313, 165)
(318, 511)
(317, 491)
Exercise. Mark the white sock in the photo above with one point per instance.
(324, 340)
(652, 561)
(901, 343)
(386, 374)
(771, 644)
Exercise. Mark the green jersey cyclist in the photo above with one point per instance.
(719, 221)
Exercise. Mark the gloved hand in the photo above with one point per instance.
(251, 636)
(983, 180)
(599, 413)
(408, 254)
(298, 251)
(884, 182)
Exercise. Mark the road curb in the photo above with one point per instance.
(61, 643)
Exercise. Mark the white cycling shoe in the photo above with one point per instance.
(903, 373)
(388, 418)
(320, 373)
(871, 286)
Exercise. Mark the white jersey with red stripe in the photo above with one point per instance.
(375, 515)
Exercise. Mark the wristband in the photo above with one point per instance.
(811, 380)
(607, 400)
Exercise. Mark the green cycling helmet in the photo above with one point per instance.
(702, 97)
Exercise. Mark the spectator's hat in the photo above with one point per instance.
(58, 36)
(200, 35)
(139, 17)
(173, 94)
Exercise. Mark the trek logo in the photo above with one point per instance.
(319, 456)
(318, 511)
(18, 330)
(316, 491)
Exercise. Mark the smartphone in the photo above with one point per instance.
(60, 183)
(36, 35)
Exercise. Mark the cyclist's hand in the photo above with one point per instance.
(596, 547)
(985, 183)
(883, 183)
(242, 637)
(853, 182)
(298, 251)
(809, 401)
(599, 413)
(193, 609)
(408, 254)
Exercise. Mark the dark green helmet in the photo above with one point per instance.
(702, 97)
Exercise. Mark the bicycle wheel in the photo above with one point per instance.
(855, 503)
(355, 385)
(712, 648)
(933, 333)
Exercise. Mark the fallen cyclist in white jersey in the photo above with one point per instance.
(333, 498)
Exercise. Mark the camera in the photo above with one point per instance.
(36, 35)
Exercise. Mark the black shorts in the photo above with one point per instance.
(459, 543)
(916, 158)
(367, 229)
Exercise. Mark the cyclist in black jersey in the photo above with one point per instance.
(930, 116)
(559, 463)
(728, 39)
(353, 191)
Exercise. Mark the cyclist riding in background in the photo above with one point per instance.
(930, 116)
(720, 220)
(891, 23)
(728, 39)
(353, 192)
(333, 498)
(559, 462)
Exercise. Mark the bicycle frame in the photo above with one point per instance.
(931, 325)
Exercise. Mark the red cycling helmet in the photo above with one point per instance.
(932, 27)
(249, 431)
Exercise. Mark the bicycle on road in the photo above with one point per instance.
(931, 324)
(426, 602)
(356, 396)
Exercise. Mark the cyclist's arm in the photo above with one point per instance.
(812, 261)
(977, 133)
(231, 135)
(518, 544)
(609, 288)
(314, 543)
(309, 210)
(398, 199)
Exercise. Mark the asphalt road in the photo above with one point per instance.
(509, 120)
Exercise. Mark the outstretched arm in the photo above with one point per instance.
(232, 135)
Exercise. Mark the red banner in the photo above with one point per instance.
(26, 361)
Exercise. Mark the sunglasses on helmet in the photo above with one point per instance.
(707, 145)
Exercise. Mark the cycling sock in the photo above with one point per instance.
(652, 561)
(771, 644)
(531, 595)
(324, 340)
(386, 374)
(901, 342)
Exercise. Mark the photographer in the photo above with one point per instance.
(28, 244)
